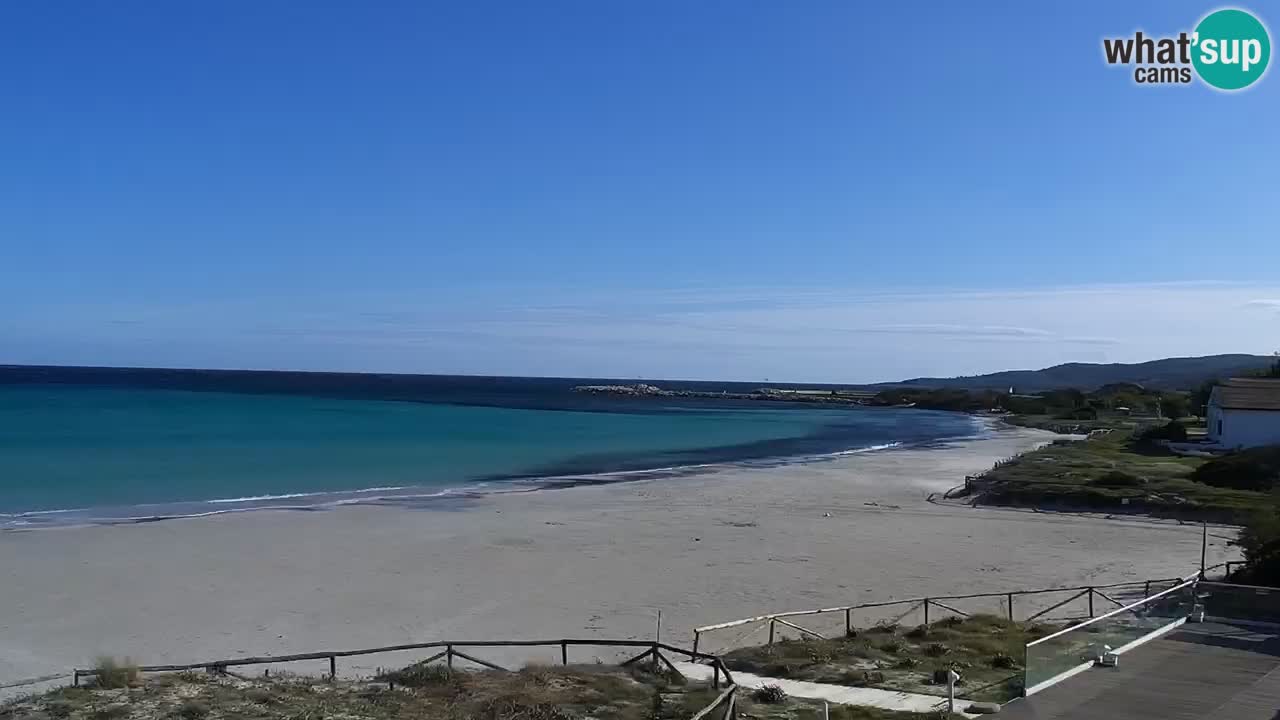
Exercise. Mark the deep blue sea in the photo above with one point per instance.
(97, 445)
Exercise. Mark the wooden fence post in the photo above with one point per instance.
(333, 667)
(564, 653)
(448, 656)
(848, 623)
(1091, 601)
(1146, 589)
(1010, 607)
(771, 626)
(696, 637)
(926, 611)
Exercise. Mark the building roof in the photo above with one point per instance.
(1248, 394)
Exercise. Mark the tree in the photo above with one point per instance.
(1260, 542)
(1174, 406)
(1274, 370)
(1200, 397)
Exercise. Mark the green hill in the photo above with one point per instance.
(1167, 374)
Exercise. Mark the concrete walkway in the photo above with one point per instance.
(835, 694)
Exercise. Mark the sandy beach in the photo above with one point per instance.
(592, 561)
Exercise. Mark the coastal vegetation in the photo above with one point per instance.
(1121, 472)
(1256, 470)
(985, 650)
(423, 692)
(1066, 410)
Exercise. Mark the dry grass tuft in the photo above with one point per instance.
(113, 673)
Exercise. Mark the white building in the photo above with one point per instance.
(1245, 412)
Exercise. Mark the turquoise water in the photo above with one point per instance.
(120, 453)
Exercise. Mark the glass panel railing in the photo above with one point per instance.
(1077, 646)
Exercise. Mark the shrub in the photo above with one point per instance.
(891, 646)
(887, 628)
(419, 675)
(111, 712)
(1118, 479)
(907, 663)
(114, 673)
(769, 694)
(781, 670)
(1173, 431)
(193, 710)
(1003, 661)
(1252, 469)
(918, 632)
(262, 696)
(861, 678)
(936, 650)
(1260, 541)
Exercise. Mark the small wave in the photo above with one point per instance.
(869, 448)
(258, 498)
(291, 496)
(412, 495)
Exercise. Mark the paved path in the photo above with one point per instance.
(1198, 672)
(835, 694)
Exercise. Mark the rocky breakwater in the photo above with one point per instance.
(761, 394)
(639, 389)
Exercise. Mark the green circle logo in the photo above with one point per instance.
(1232, 49)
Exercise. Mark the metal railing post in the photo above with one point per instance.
(771, 627)
(926, 611)
(848, 622)
(1010, 607)
(1090, 601)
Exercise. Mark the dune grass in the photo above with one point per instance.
(421, 693)
(113, 673)
(984, 649)
(1112, 473)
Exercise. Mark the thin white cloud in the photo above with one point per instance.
(962, 330)
(806, 334)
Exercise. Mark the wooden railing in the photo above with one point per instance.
(944, 604)
(653, 652)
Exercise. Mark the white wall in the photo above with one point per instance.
(1245, 428)
(1211, 418)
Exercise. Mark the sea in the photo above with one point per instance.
(101, 445)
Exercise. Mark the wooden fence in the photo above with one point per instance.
(653, 651)
(935, 607)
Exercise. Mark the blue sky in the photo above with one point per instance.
(830, 191)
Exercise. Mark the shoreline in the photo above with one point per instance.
(418, 495)
(597, 562)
